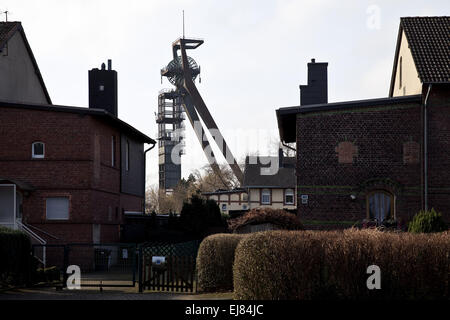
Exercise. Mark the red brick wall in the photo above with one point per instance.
(378, 135)
(439, 148)
(72, 167)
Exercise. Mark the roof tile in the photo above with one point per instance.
(429, 40)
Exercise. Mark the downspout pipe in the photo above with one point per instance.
(145, 176)
(425, 147)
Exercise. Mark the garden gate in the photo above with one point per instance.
(168, 267)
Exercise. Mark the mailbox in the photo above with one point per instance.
(158, 262)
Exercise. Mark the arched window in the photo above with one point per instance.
(38, 150)
(266, 196)
(380, 206)
(289, 196)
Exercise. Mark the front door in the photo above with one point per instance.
(8, 205)
(381, 206)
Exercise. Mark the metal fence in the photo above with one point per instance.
(101, 265)
(154, 265)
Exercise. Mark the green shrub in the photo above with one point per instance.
(15, 258)
(426, 222)
(198, 215)
(285, 265)
(278, 217)
(215, 260)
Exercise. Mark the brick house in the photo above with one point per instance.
(268, 182)
(380, 158)
(69, 174)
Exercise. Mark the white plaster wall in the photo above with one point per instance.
(411, 83)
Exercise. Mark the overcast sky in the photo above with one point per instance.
(254, 57)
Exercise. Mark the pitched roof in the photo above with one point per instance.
(429, 41)
(101, 113)
(283, 178)
(7, 31)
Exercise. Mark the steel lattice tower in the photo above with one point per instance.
(171, 137)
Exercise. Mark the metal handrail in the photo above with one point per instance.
(33, 235)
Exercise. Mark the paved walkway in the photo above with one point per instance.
(106, 294)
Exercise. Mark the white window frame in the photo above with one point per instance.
(38, 156)
(57, 219)
(269, 194)
(291, 193)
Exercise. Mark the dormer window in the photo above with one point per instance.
(38, 150)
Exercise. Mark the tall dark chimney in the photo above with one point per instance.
(103, 89)
(316, 91)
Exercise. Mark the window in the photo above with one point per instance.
(265, 196)
(289, 196)
(400, 74)
(38, 150)
(127, 156)
(224, 207)
(57, 208)
(113, 151)
(96, 233)
(380, 206)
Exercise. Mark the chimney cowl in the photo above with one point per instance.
(313, 60)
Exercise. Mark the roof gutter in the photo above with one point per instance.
(425, 147)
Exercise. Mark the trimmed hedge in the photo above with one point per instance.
(215, 260)
(280, 265)
(15, 258)
(426, 222)
(278, 217)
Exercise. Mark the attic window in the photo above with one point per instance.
(38, 150)
(4, 50)
(400, 74)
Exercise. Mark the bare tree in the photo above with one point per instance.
(288, 148)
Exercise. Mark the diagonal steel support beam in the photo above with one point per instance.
(204, 113)
(202, 138)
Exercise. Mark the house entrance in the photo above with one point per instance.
(380, 206)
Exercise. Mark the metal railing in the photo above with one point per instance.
(35, 239)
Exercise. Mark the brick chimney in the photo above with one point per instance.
(103, 89)
(316, 91)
